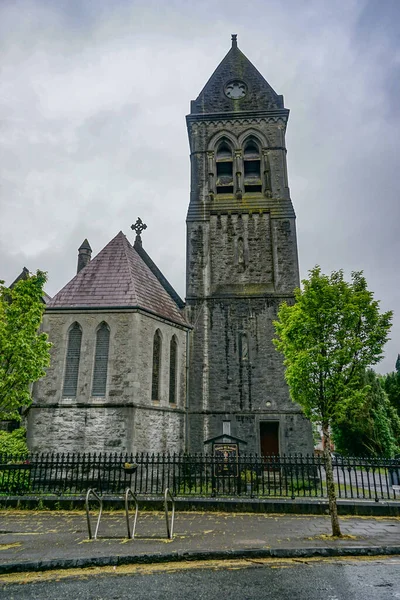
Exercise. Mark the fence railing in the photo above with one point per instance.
(198, 475)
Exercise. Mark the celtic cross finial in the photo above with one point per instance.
(139, 226)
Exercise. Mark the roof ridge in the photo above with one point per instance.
(125, 242)
(159, 275)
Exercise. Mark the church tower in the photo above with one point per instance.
(241, 263)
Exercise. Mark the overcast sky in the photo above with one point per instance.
(93, 98)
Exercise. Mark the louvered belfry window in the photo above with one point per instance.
(72, 361)
(101, 361)
(155, 382)
(173, 359)
(224, 164)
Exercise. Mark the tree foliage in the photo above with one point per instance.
(24, 350)
(391, 385)
(371, 428)
(329, 337)
(13, 442)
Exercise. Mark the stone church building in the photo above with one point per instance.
(134, 368)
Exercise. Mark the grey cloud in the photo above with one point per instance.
(93, 98)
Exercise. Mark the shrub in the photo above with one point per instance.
(13, 442)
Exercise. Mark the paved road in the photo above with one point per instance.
(377, 579)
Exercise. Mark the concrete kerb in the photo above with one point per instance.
(304, 506)
(81, 563)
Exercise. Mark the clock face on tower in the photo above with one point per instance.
(235, 89)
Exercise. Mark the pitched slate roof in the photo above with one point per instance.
(236, 66)
(118, 278)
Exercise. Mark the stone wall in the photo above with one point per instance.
(243, 386)
(72, 428)
(125, 419)
(294, 430)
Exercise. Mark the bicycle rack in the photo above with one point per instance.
(170, 530)
(90, 492)
(129, 495)
(128, 492)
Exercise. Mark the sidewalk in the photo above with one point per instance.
(39, 540)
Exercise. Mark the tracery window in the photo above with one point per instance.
(101, 360)
(72, 361)
(224, 162)
(252, 167)
(173, 372)
(156, 374)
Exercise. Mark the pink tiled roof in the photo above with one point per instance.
(118, 277)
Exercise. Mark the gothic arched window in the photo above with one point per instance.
(156, 374)
(252, 167)
(72, 361)
(173, 370)
(101, 361)
(224, 162)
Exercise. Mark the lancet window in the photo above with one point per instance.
(224, 163)
(72, 361)
(156, 374)
(252, 167)
(101, 361)
(173, 363)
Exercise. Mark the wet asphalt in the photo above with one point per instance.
(349, 579)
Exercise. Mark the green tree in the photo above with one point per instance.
(329, 337)
(13, 442)
(391, 385)
(371, 428)
(24, 351)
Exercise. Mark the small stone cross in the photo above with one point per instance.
(139, 226)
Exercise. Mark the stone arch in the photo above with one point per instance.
(251, 145)
(253, 134)
(220, 136)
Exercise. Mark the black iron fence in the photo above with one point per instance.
(198, 475)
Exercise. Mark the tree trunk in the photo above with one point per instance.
(329, 482)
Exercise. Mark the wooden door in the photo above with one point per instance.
(269, 438)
